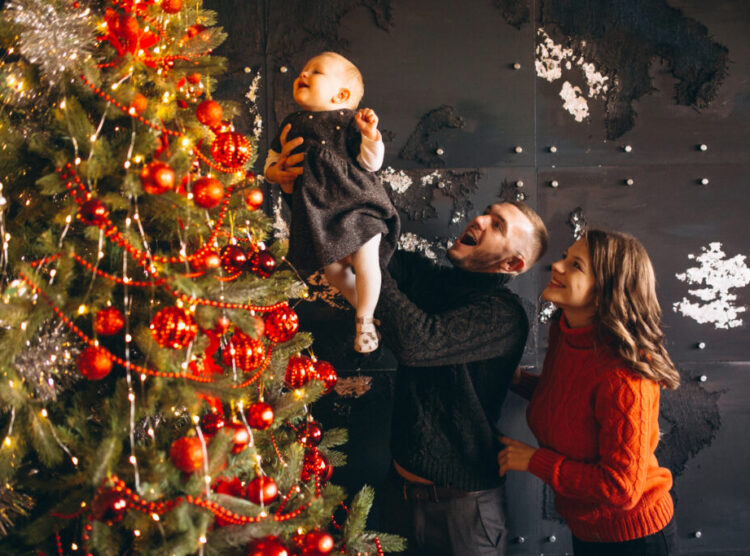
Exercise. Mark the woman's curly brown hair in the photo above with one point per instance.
(628, 315)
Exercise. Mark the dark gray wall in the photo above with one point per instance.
(679, 76)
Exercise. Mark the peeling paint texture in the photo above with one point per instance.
(615, 42)
(413, 191)
(422, 145)
(716, 275)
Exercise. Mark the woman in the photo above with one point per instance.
(595, 407)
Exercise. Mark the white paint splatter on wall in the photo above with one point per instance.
(574, 101)
(552, 58)
(415, 244)
(397, 180)
(434, 178)
(716, 275)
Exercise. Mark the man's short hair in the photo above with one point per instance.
(539, 239)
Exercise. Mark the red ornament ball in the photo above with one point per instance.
(206, 260)
(208, 192)
(315, 464)
(259, 415)
(186, 454)
(139, 103)
(194, 30)
(254, 198)
(317, 543)
(262, 263)
(232, 487)
(268, 546)
(324, 371)
(173, 328)
(109, 321)
(233, 259)
(299, 371)
(209, 112)
(240, 438)
(222, 325)
(93, 213)
(109, 507)
(262, 490)
(194, 78)
(310, 434)
(243, 352)
(94, 363)
(211, 423)
(171, 6)
(157, 177)
(231, 149)
(282, 324)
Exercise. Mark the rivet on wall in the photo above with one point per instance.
(553, 149)
(439, 151)
(701, 345)
(627, 148)
(702, 378)
(516, 66)
(698, 534)
(704, 181)
(629, 181)
(703, 147)
(554, 183)
(520, 540)
(518, 149)
(519, 183)
(283, 69)
(552, 538)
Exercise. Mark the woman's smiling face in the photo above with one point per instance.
(571, 285)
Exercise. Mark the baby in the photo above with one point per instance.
(342, 219)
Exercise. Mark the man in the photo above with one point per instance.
(458, 335)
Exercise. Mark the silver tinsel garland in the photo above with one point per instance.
(48, 364)
(55, 36)
(13, 504)
(546, 311)
(577, 221)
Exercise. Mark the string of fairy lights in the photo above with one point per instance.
(72, 57)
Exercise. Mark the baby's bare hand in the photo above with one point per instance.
(367, 122)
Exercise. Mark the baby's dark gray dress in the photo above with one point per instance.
(336, 205)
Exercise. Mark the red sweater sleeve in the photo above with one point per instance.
(626, 408)
(526, 385)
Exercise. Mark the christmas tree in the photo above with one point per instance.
(155, 389)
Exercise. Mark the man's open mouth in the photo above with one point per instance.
(467, 239)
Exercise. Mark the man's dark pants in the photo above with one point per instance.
(443, 521)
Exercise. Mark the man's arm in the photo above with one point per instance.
(494, 325)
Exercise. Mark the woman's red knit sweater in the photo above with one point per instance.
(597, 427)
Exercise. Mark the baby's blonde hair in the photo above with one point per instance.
(353, 78)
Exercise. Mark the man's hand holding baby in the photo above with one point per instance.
(367, 122)
(286, 169)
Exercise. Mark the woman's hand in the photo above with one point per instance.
(515, 456)
(286, 169)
